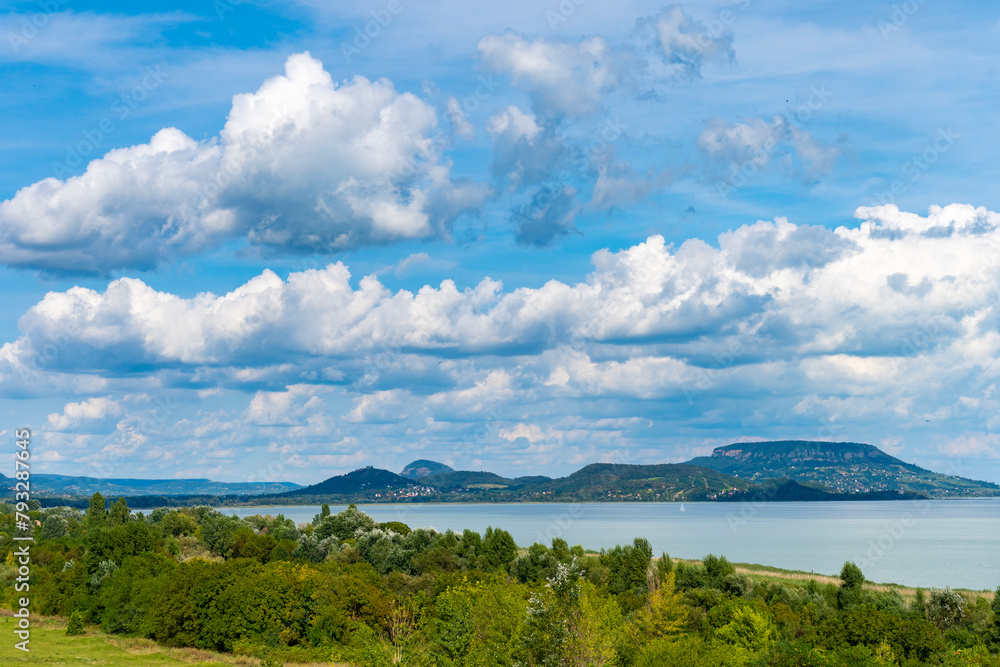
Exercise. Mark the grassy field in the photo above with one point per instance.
(50, 646)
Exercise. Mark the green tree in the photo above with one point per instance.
(247, 544)
(664, 566)
(345, 525)
(748, 629)
(323, 513)
(397, 527)
(946, 609)
(499, 549)
(53, 527)
(596, 630)
(120, 513)
(97, 516)
(218, 533)
(851, 583)
(536, 564)
(628, 567)
(663, 615)
(995, 627)
(116, 543)
(717, 568)
(75, 625)
(550, 619)
(851, 576)
(178, 523)
(919, 606)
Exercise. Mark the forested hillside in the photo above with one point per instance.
(345, 588)
(841, 467)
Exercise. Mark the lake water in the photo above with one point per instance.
(916, 543)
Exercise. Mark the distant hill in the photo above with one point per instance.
(531, 479)
(666, 481)
(44, 483)
(599, 481)
(780, 470)
(363, 480)
(842, 467)
(468, 479)
(423, 468)
(788, 490)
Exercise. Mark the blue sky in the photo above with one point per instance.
(247, 240)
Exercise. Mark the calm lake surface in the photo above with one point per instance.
(917, 543)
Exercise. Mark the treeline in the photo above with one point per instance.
(787, 490)
(346, 588)
(152, 502)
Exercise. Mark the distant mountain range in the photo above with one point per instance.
(67, 485)
(781, 470)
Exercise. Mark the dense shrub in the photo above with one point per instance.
(75, 625)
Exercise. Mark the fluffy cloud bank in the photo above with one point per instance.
(793, 329)
(303, 164)
(771, 289)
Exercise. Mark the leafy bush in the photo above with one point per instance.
(946, 608)
(75, 625)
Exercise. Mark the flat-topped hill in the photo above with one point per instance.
(844, 467)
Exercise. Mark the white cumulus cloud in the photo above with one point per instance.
(888, 322)
(304, 163)
(92, 409)
(562, 77)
